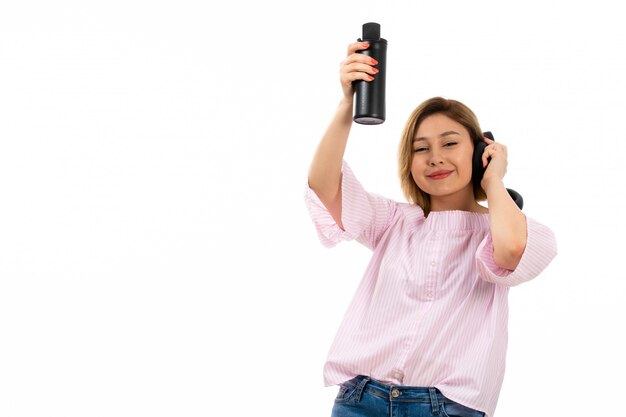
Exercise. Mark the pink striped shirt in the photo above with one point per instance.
(432, 307)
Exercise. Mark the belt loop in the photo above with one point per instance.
(433, 400)
(359, 389)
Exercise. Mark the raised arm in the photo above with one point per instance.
(325, 170)
(508, 223)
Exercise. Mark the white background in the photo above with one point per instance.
(156, 256)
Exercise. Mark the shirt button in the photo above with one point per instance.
(429, 295)
(395, 393)
(433, 263)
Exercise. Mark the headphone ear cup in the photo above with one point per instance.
(477, 162)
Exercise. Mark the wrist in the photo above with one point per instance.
(489, 184)
(346, 101)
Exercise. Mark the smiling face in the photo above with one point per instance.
(442, 163)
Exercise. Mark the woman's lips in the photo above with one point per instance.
(439, 175)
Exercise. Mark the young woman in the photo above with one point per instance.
(426, 332)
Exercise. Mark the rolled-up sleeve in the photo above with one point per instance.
(540, 250)
(365, 216)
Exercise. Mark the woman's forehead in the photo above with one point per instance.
(439, 126)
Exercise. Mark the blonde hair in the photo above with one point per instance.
(456, 111)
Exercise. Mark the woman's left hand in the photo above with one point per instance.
(497, 165)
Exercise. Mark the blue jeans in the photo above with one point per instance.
(367, 397)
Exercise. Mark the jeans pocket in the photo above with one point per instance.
(346, 391)
(453, 409)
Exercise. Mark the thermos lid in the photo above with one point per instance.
(371, 32)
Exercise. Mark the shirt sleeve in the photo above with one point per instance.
(539, 252)
(365, 216)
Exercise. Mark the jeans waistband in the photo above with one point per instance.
(400, 393)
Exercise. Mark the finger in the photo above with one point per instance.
(359, 67)
(357, 46)
(488, 153)
(497, 148)
(356, 75)
(485, 157)
(357, 71)
(359, 58)
(489, 141)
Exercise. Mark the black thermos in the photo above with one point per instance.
(369, 107)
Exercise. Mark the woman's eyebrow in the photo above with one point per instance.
(442, 135)
(448, 133)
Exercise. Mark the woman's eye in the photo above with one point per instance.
(420, 149)
(449, 144)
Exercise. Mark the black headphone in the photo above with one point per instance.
(478, 171)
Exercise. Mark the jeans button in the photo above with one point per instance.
(395, 393)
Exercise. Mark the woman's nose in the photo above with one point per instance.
(435, 158)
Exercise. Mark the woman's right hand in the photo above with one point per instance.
(356, 67)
